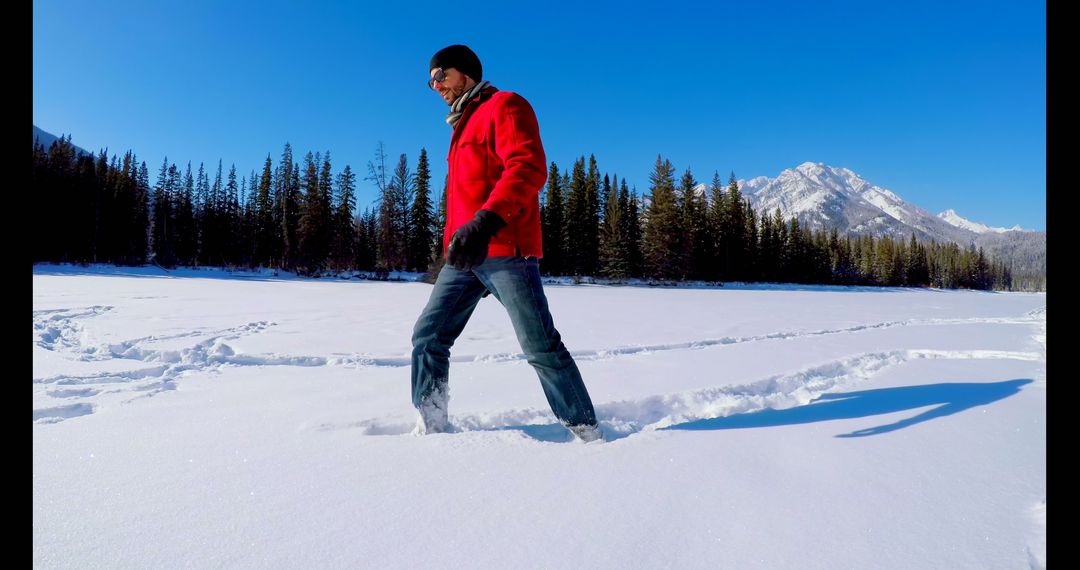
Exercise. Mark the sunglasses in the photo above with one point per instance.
(439, 77)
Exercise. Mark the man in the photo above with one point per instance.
(492, 244)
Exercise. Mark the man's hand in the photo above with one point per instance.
(468, 248)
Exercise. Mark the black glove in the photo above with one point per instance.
(468, 248)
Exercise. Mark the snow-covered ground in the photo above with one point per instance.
(197, 419)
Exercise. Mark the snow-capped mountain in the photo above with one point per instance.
(824, 197)
(955, 219)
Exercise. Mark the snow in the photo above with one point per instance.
(952, 218)
(888, 203)
(208, 419)
(807, 190)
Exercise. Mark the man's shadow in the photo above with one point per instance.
(950, 398)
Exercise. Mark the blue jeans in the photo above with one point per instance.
(515, 282)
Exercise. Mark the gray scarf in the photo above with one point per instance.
(458, 108)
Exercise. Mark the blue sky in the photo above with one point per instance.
(944, 103)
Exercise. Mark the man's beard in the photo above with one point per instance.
(455, 94)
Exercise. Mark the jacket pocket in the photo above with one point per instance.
(471, 159)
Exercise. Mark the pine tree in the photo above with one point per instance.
(440, 225)
(782, 242)
(661, 243)
(797, 252)
(186, 232)
(692, 208)
(981, 277)
(159, 215)
(714, 225)
(918, 272)
(83, 190)
(265, 234)
(305, 257)
(295, 189)
(140, 236)
(842, 268)
(553, 223)
(577, 221)
(41, 186)
(162, 214)
(626, 222)
(250, 194)
(247, 246)
(883, 262)
(95, 184)
(771, 246)
(733, 240)
(344, 241)
(614, 261)
(218, 215)
(590, 255)
(868, 259)
(181, 210)
(296, 195)
(86, 194)
(822, 273)
(751, 248)
(565, 186)
(324, 228)
(286, 197)
(205, 211)
(422, 220)
(204, 216)
(401, 185)
(229, 222)
(59, 172)
(634, 231)
(122, 192)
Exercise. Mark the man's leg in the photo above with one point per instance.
(515, 281)
(452, 302)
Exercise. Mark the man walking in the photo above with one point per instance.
(492, 243)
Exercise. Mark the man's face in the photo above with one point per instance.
(455, 84)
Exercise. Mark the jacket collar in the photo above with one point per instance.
(470, 109)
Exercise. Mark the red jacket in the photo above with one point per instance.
(496, 162)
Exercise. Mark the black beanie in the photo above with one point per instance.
(460, 58)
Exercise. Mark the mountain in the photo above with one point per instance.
(823, 197)
(950, 216)
(47, 138)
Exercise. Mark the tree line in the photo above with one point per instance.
(298, 215)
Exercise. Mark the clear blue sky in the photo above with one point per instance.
(944, 103)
